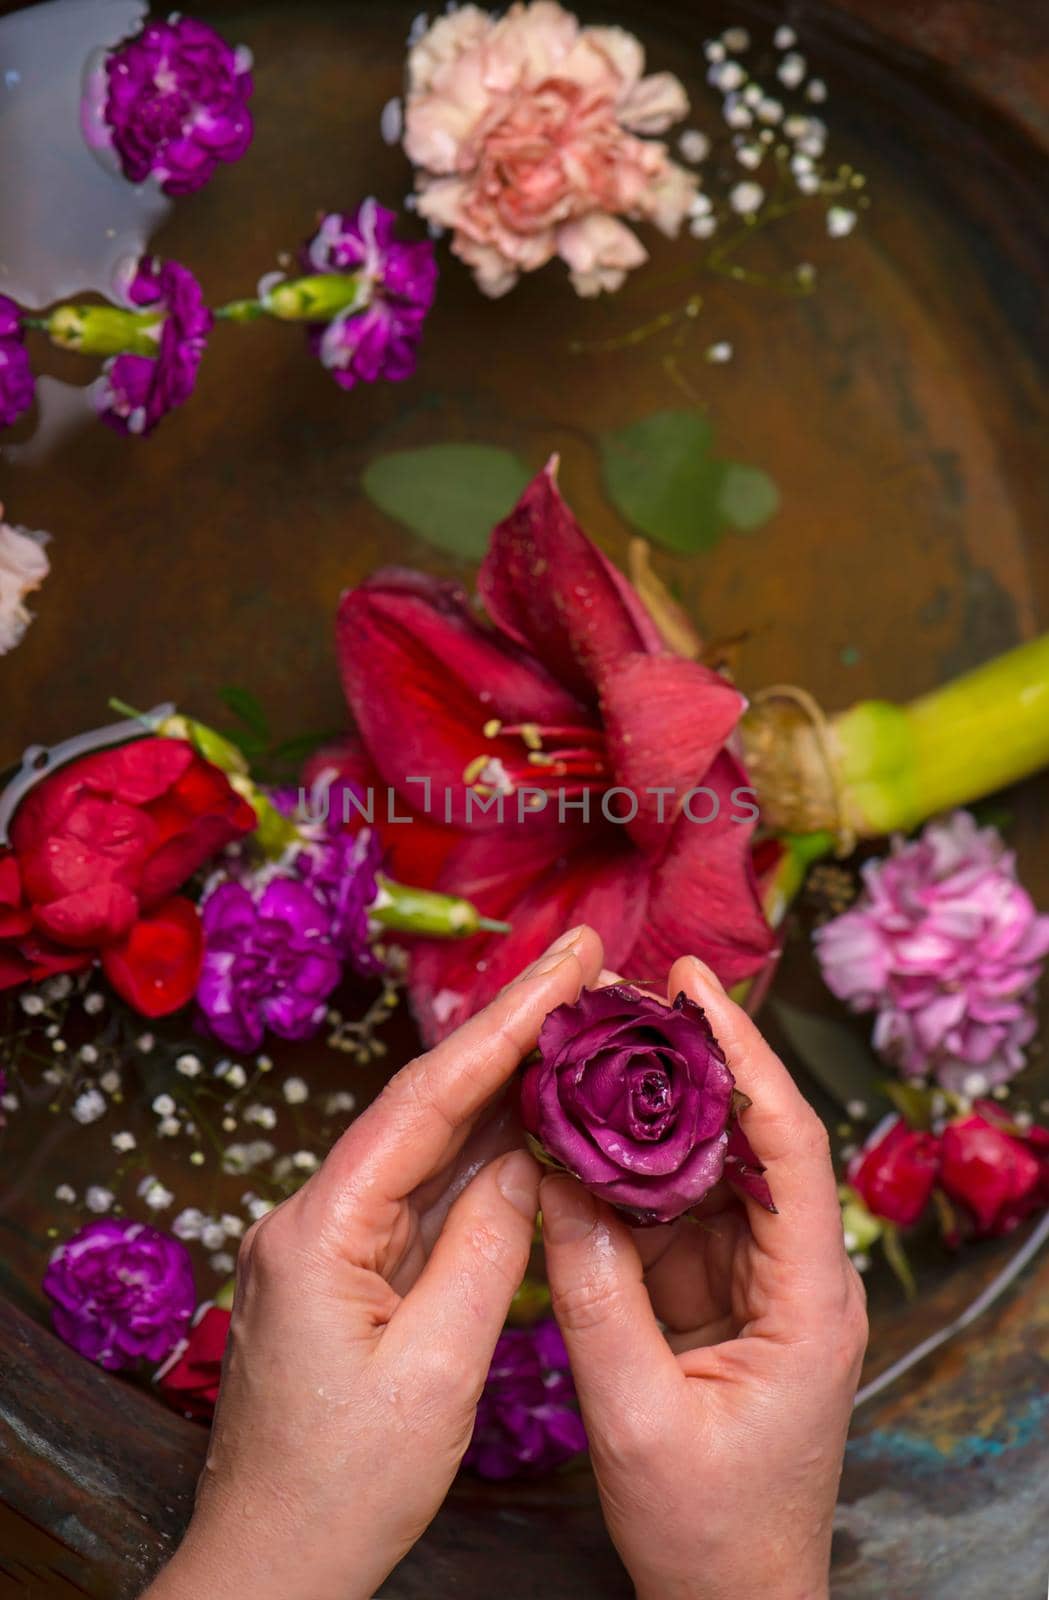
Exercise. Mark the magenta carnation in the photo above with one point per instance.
(176, 103)
(268, 962)
(945, 947)
(381, 341)
(527, 1420)
(16, 377)
(122, 1292)
(136, 391)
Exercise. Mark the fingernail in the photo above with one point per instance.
(518, 1182)
(556, 953)
(706, 975)
(569, 1212)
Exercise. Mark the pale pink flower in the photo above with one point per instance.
(945, 947)
(530, 136)
(23, 568)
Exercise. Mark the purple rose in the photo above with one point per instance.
(122, 1292)
(635, 1098)
(527, 1421)
(175, 104)
(16, 377)
(136, 391)
(268, 962)
(381, 341)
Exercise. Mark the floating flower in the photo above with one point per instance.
(189, 1379)
(896, 1171)
(173, 103)
(137, 390)
(527, 1420)
(600, 760)
(268, 962)
(945, 947)
(635, 1098)
(16, 377)
(122, 1292)
(995, 1168)
(528, 131)
(23, 568)
(378, 334)
(100, 846)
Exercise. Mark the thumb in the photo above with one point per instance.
(618, 1354)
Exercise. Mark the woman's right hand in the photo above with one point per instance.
(718, 1446)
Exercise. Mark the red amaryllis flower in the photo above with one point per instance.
(895, 1171)
(997, 1170)
(100, 846)
(565, 710)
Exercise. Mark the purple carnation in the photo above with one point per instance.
(381, 341)
(16, 377)
(175, 104)
(268, 962)
(342, 868)
(137, 391)
(122, 1292)
(527, 1420)
(945, 947)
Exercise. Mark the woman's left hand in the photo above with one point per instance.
(367, 1310)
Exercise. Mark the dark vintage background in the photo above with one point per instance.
(901, 411)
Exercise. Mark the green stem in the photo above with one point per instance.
(895, 766)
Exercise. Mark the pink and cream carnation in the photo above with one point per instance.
(531, 136)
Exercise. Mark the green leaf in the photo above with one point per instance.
(245, 705)
(449, 494)
(831, 1054)
(660, 473)
(748, 497)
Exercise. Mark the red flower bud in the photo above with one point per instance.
(189, 1379)
(895, 1171)
(997, 1171)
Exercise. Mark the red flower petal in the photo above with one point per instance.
(548, 587)
(413, 852)
(665, 721)
(178, 859)
(134, 773)
(423, 677)
(100, 914)
(702, 897)
(157, 966)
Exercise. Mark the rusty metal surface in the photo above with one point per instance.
(903, 415)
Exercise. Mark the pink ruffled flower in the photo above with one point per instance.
(529, 132)
(946, 947)
(23, 568)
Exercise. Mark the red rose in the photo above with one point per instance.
(189, 1379)
(99, 846)
(895, 1171)
(996, 1170)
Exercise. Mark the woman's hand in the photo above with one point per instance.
(366, 1314)
(718, 1446)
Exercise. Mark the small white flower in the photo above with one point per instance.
(391, 121)
(727, 75)
(260, 1150)
(259, 1208)
(190, 1066)
(720, 352)
(840, 221)
(736, 39)
(784, 38)
(236, 1077)
(232, 1226)
(94, 1003)
(305, 1161)
(808, 182)
(144, 1043)
(264, 1116)
(53, 1075)
(736, 113)
(770, 111)
(189, 1223)
(168, 1127)
(703, 227)
(816, 91)
(89, 1106)
(857, 1109)
(158, 1198)
(750, 156)
(98, 1199)
(861, 1261)
(213, 1236)
(339, 1101)
(32, 1004)
(9, 1101)
(163, 1105)
(23, 568)
(123, 1142)
(975, 1085)
(66, 1193)
(746, 198)
(88, 1054)
(264, 1063)
(222, 1263)
(714, 50)
(753, 95)
(110, 1081)
(296, 1091)
(791, 70)
(694, 146)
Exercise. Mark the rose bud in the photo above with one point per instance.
(635, 1098)
(996, 1169)
(895, 1171)
(189, 1379)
